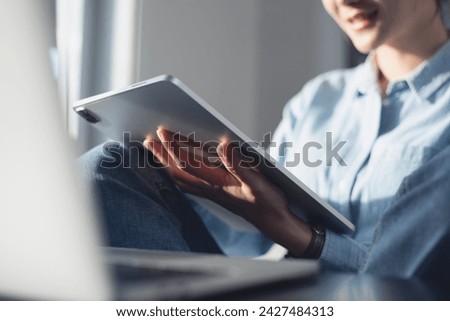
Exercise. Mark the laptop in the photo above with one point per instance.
(50, 237)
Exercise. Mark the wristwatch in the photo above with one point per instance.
(315, 247)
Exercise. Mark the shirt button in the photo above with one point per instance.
(402, 85)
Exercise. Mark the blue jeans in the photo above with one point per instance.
(139, 204)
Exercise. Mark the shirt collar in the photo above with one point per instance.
(431, 74)
(423, 81)
(367, 76)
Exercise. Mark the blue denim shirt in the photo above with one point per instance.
(395, 184)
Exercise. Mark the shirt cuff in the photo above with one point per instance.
(342, 253)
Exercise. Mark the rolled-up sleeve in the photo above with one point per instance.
(340, 252)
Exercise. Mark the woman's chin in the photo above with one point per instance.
(364, 45)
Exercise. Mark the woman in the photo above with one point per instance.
(393, 114)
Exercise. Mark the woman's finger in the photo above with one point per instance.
(195, 165)
(157, 150)
(235, 163)
(168, 162)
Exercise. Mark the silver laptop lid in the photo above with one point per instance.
(48, 235)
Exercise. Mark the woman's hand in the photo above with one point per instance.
(232, 183)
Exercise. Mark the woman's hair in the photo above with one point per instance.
(445, 12)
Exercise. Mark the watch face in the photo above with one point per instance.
(318, 230)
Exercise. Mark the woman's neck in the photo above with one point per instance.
(395, 61)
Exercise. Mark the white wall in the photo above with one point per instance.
(245, 57)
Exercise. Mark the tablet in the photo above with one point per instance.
(130, 114)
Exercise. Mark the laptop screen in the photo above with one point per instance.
(48, 233)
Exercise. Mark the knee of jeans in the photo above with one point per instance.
(101, 160)
(113, 160)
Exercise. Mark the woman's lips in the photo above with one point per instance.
(363, 19)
